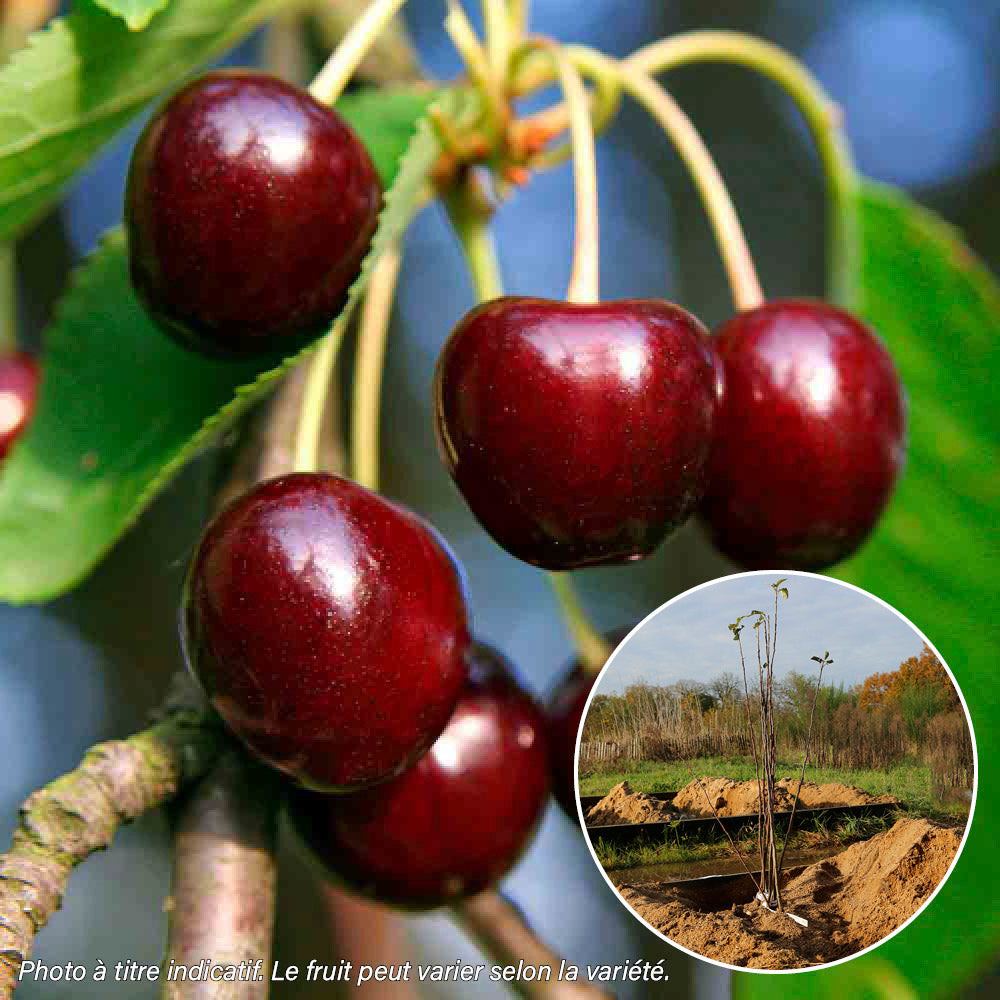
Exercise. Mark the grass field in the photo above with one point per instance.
(846, 832)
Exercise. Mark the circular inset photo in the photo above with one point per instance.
(776, 772)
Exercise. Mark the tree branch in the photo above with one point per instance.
(221, 905)
(500, 930)
(66, 821)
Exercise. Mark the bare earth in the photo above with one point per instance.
(851, 901)
(740, 798)
(622, 805)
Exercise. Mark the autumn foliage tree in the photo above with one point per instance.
(922, 671)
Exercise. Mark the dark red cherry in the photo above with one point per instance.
(810, 438)
(18, 391)
(328, 629)
(578, 434)
(459, 819)
(564, 716)
(249, 209)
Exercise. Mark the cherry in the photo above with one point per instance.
(564, 716)
(18, 393)
(809, 440)
(328, 629)
(578, 434)
(459, 819)
(249, 208)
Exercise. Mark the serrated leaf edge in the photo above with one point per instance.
(414, 166)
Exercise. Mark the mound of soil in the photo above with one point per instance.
(739, 798)
(622, 805)
(850, 901)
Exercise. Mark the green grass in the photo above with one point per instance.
(716, 845)
(910, 781)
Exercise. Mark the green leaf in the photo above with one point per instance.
(936, 552)
(135, 13)
(122, 407)
(868, 978)
(384, 119)
(84, 76)
(934, 557)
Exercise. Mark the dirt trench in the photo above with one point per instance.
(850, 901)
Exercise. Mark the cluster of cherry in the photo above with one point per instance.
(328, 625)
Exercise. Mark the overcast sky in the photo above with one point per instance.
(688, 639)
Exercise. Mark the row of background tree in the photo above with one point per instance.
(913, 711)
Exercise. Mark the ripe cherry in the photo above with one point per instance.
(459, 819)
(249, 209)
(328, 629)
(809, 440)
(578, 434)
(18, 392)
(564, 716)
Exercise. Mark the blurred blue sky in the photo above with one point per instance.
(688, 639)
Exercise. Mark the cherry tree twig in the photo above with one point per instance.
(69, 819)
(221, 906)
(500, 930)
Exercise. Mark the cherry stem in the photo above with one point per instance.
(479, 67)
(373, 331)
(822, 115)
(729, 236)
(501, 931)
(591, 648)
(327, 87)
(497, 25)
(331, 80)
(309, 432)
(520, 15)
(584, 282)
(471, 224)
